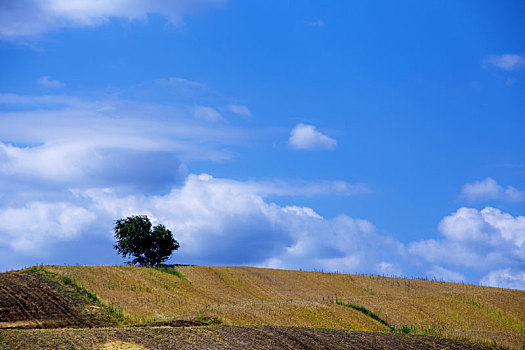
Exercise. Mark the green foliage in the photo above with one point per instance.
(149, 247)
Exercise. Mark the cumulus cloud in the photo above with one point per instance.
(489, 189)
(483, 240)
(46, 82)
(208, 114)
(307, 137)
(507, 62)
(243, 111)
(32, 18)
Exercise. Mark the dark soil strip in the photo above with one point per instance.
(221, 337)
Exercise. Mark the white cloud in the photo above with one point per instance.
(84, 164)
(506, 62)
(243, 111)
(489, 189)
(466, 224)
(208, 114)
(505, 278)
(45, 81)
(31, 227)
(482, 240)
(307, 137)
(30, 18)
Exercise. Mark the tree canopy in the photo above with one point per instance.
(148, 246)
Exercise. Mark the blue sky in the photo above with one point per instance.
(381, 138)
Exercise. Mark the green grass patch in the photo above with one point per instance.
(172, 270)
(365, 311)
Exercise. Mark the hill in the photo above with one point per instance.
(94, 296)
(256, 296)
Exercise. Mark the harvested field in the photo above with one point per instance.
(193, 297)
(255, 296)
(220, 337)
(30, 300)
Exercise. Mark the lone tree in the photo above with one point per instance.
(136, 238)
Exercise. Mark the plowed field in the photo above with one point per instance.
(33, 301)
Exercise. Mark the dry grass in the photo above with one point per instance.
(253, 296)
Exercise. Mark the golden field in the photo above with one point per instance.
(256, 296)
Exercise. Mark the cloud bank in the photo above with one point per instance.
(217, 221)
(224, 221)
